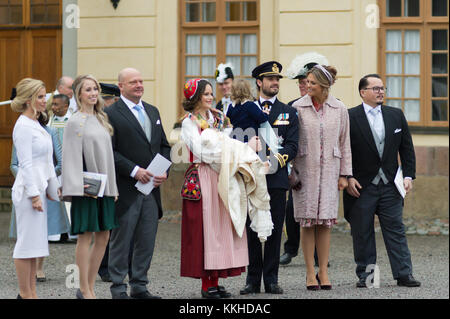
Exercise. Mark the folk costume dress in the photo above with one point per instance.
(210, 245)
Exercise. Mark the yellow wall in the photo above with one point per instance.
(335, 29)
(140, 34)
(144, 34)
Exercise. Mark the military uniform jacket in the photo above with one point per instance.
(284, 121)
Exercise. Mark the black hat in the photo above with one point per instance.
(267, 69)
(303, 63)
(306, 68)
(223, 72)
(110, 90)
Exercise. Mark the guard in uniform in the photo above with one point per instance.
(224, 79)
(110, 93)
(284, 122)
(297, 70)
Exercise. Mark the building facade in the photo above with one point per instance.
(170, 41)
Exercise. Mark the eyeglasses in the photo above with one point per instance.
(377, 89)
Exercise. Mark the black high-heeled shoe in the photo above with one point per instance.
(312, 287)
(79, 294)
(324, 287)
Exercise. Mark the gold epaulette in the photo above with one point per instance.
(282, 159)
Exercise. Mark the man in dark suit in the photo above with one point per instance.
(138, 137)
(283, 119)
(379, 134)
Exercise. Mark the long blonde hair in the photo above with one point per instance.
(102, 117)
(27, 89)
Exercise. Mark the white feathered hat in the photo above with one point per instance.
(223, 72)
(303, 63)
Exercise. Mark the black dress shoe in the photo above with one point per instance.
(223, 292)
(286, 258)
(122, 295)
(361, 283)
(250, 289)
(408, 281)
(144, 295)
(211, 293)
(273, 289)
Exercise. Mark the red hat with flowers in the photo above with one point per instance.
(190, 88)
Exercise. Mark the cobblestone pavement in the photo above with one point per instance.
(430, 256)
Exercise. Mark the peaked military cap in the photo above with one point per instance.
(109, 89)
(267, 69)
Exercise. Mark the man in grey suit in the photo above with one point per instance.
(138, 137)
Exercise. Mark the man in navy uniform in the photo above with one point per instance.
(283, 120)
(224, 78)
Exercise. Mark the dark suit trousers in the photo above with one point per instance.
(387, 203)
(103, 270)
(292, 243)
(267, 266)
(139, 223)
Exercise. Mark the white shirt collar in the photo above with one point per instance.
(62, 118)
(131, 104)
(272, 100)
(368, 108)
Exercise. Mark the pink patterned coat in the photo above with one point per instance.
(318, 198)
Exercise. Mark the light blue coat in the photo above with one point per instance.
(57, 220)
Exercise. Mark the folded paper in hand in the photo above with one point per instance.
(398, 181)
(96, 182)
(157, 167)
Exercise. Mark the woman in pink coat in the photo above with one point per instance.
(322, 164)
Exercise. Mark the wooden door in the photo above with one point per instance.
(30, 46)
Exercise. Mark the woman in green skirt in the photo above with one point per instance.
(87, 148)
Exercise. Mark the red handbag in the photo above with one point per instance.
(191, 186)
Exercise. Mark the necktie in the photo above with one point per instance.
(377, 122)
(141, 117)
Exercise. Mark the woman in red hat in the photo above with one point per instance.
(210, 247)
